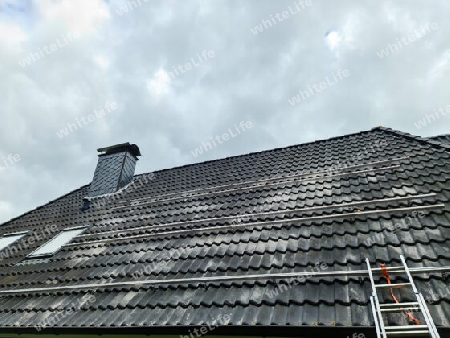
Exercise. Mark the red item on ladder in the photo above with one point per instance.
(386, 275)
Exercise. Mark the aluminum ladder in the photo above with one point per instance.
(427, 330)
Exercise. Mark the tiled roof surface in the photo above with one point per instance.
(441, 138)
(278, 211)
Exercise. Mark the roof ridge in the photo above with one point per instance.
(259, 152)
(421, 139)
(441, 135)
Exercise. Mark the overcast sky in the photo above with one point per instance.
(61, 60)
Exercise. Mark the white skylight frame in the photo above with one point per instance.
(56, 243)
(7, 239)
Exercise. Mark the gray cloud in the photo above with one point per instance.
(250, 78)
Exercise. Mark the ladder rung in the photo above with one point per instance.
(395, 305)
(419, 333)
(400, 309)
(406, 327)
(393, 286)
(389, 268)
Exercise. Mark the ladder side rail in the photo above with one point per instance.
(369, 270)
(408, 273)
(426, 313)
(380, 317)
(375, 317)
(375, 298)
(421, 301)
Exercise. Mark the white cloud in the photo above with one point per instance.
(159, 85)
(81, 16)
(101, 61)
(399, 18)
(11, 33)
(6, 211)
(333, 39)
(440, 69)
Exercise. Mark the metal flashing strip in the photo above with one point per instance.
(278, 212)
(253, 224)
(225, 279)
(16, 233)
(157, 200)
(262, 182)
(144, 218)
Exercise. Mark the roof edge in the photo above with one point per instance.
(420, 139)
(261, 151)
(42, 206)
(440, 135)
(305, 331)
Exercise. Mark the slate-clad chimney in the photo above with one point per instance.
(115, 168)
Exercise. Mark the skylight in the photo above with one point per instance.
(7, 240)
(55, 244)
